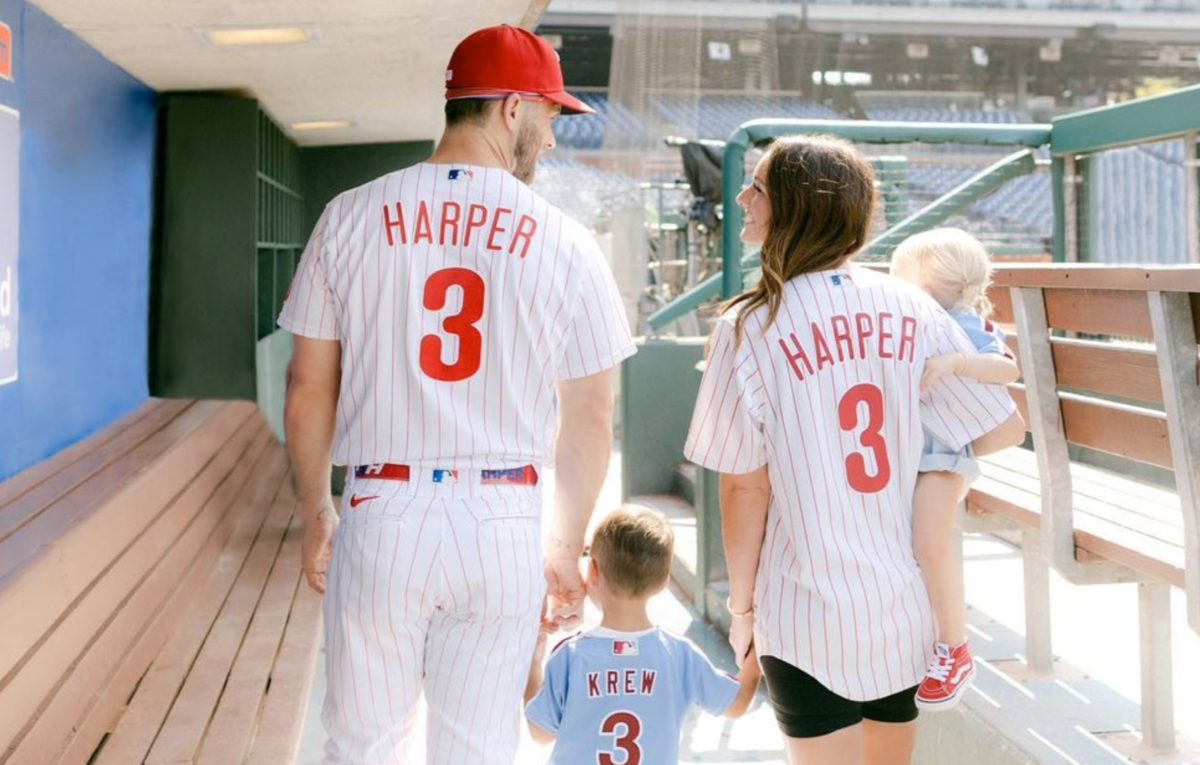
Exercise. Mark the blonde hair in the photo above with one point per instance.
(633, 547)
(950, 261)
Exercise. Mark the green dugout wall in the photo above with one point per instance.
(237, 200)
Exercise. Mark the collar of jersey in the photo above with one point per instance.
(604, 632)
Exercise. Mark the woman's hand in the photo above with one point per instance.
(741, 637)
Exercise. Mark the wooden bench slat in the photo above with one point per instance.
(1140, 553)
(33, 476)
(104, 714)
(95, 529)
(181, 734)
(27, 494)
(278, 737)
(1164, 530)
(39, 673)
(1131, 495)
(232, 728)
(1103, 312)
(1002, 310)
(1139, 435)
(1113, 370)
(137, 586)
(1100, 276)
(1117, 430)
(1094, 536)
(139, 725)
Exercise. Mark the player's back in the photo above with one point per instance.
(621, 697)
(834, 384)
(459, 296)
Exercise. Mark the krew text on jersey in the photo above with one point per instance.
(449, 225)
(621, 682)
(867, 334)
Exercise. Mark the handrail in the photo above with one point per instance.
(760, 131)
(1141, 120)
(981, 184)
(1099, 276)
(729, 281)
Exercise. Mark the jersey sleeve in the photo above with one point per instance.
(309, 308)
(985, 336)
(727, 433)
(598, 336)
(958, 410)
(708, 687)
(545, 710)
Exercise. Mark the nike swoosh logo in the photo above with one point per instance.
(356, 500)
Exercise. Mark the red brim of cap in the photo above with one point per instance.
(569, 103)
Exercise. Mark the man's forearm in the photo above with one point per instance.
(309, 425)
(581, 457)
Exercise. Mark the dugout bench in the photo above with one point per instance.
(151, 598)
(1111, 397)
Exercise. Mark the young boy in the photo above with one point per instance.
(618, 695)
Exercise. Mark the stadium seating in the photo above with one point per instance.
(716, 117)
(585, 192)
(944, 115)
(587, 131)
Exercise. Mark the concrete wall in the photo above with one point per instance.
(87, 132)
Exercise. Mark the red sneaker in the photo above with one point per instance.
(949, 674)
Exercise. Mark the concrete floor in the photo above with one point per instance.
(1095, 631)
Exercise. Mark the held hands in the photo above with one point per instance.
(565, 592)
(319, 525)
(741, 635)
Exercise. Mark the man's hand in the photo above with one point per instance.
(565, 592)
(741, 637)
(318, 545)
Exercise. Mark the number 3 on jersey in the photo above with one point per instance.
(856, 464)
(626, 742)
(461, 324)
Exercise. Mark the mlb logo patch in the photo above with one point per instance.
(459, 174)
(840, 279)
(625, 648)
(445, 476)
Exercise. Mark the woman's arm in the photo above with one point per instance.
(990, 368)
(744, 499)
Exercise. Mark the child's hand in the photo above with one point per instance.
(750, 671)
(937, 367)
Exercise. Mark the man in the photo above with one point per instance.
(444, 315)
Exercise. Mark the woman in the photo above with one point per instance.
(810, 410)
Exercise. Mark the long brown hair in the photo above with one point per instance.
(822, 197)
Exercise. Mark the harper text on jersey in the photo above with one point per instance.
(448, 225)
(851, 340)
(621, 682)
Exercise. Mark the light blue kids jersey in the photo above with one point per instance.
(985, 336)
(620, 698)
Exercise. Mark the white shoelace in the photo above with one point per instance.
(940, 668)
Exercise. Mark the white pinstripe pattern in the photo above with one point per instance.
(436, 588)
(432, 588)
(553, 314)
(838, 594)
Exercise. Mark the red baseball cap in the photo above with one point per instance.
(497, 61)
